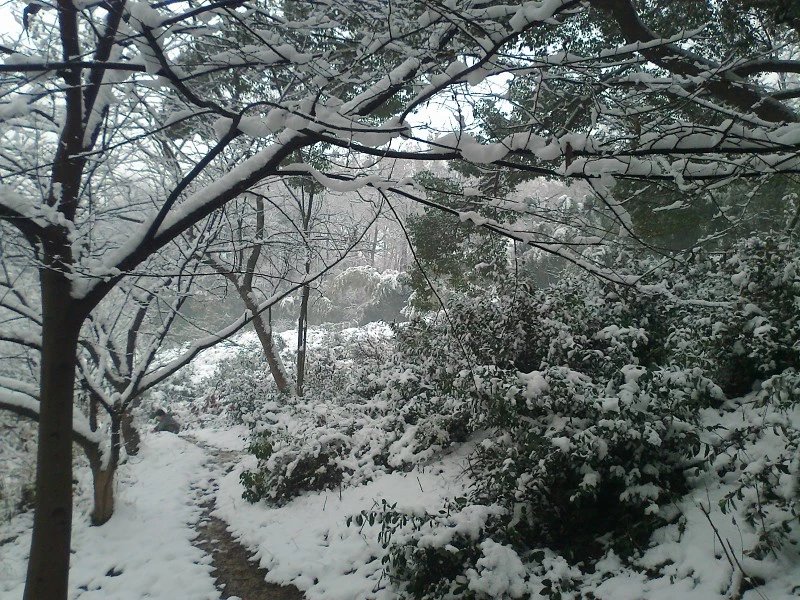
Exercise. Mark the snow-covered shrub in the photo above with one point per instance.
(361, 295)
(181, 395)
(604, 404)
(240, 384)
(288, 467)
(734, 314)
(589, 459)
(762, 448)
(367, 409)
(428, 551)
(766, 323)
(17, 464)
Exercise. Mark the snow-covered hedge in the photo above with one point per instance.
(366, 410)
(607, 417)
(17, 464)
(605, 407)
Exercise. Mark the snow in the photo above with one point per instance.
(530, 12)
(145, 15)
(229, 439)
(500, 572)
(145, 550)
(307, 542)
(535, 384)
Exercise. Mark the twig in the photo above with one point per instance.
(735, 588)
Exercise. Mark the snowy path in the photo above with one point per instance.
(236, 575)
(145, 550)
(181, 530)
(307, 542)
(162, 542)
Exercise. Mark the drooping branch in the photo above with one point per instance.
(24, 406)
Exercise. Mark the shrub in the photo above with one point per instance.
(763, 450)
(367, 410)
(603, 403)
(286, 467)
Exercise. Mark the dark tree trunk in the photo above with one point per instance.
(93, 407)
(302, 321)
(265, 336)
(373, 246)
(103, 481)
(130, 435)
(48, 565)
(302, 334)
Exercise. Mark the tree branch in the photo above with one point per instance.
(25, 406)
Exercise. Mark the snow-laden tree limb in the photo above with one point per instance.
(23, 405)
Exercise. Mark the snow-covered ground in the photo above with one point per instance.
(145, 550)
(307, 542)
(205, 364)
(228, 439)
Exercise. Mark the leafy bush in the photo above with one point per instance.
(763, 449)
(600, 406)
(287, 467)
(590, 460)
(603, 403)
(366, 410)
(242, 383)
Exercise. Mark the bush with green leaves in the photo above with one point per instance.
(242, 384)
(762, 450)
(286, 467)
(735, 314)
(604, 404)
(366, 410)
(586, 459)
(600, 407)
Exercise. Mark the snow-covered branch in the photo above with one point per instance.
(23, 405)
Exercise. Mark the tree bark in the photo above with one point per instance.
(267, 339)
(93, 406)
(302, 321)
(130, 435)
(103, 472)
(103, 481)
(48, 565)
(302, 334)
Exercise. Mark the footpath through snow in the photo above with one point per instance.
(178, 487)
(307, 543)
(234, 570)
(145, 550)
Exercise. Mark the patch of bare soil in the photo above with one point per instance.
(237, 575)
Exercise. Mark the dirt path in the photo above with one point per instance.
(237, 575)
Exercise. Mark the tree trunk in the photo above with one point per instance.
(130, 435)
(373, 246)
(103, 472)
(103, 482)
(48, 565)
(302, 334)
(302, 321)
(93, 406)
(265, 336)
